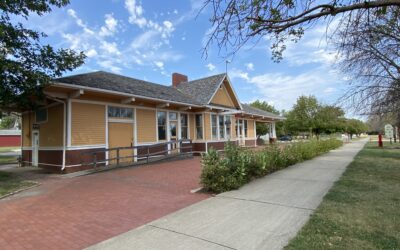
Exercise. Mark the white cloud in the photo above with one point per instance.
(237, 73)
(136, 11)
(80, 22)
(284, 89)
(175, 11)
(91, 53)
(110, 26)
(110, 48)
(329, 90)
(210, 66)
(159, 64)
(249, 66)
(109, 65)
(312, 48)
(148, 47)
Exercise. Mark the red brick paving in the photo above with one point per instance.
(78, 212)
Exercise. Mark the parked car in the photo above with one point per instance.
(285, 138)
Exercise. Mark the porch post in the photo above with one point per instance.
(273, 130)
(255, 133)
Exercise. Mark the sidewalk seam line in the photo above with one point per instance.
(266, 202)
(188, 235)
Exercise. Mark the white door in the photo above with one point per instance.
(35, 148)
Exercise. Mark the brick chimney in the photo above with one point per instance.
(177, 79)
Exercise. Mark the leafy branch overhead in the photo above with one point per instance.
(27, 65)
(235, 22)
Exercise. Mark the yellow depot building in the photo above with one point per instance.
(100, 110)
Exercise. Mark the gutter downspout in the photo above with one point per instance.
(64, 129)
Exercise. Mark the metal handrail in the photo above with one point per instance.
(94, 160)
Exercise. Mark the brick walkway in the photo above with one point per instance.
(78, 212)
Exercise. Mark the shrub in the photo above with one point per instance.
(238, 166)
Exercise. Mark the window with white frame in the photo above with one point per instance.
(239, 128)
(120, 112)
(161, 125)
(184, 126)
(221, 122)
(41, 115)
(173, 122)
(173, 116)
(228, 126)
(214, 126)
(199, 126)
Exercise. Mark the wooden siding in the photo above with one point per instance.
(27, 121)
(87, 124)
(233, 127)
(51, 132)
(146, 125)
(192, 126)
(222, 98)
(250, 129)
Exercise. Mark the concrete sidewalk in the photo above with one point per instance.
(264, 214)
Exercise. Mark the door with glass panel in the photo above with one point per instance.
(120, 134)
(173, 130)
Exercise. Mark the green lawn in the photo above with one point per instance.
(10, 183)
(362, 210)
(8, 159)
(8, 149)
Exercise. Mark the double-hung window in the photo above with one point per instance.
(245, 128)
(228, 126)
(221, 122)
(214, 126)
(162, 124)
(199, 126)
(184, 126)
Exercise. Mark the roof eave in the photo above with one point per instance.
(74, 86)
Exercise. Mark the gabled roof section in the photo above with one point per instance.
(255, 111)
(108, 81)
(202, 90)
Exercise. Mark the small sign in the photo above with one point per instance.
(35, 126)
(388, 131)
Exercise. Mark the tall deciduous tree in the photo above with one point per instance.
(235, 22)
(370, 52)
(303, 116)
(27, 65)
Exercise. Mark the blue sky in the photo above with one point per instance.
(150, 40)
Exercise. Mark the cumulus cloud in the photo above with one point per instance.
(312, 48)
(79, 21)
(109, 65)
(150, 47)
(159, 64)
(110, 48)
(91, 53)
(110, 26)
(135, 11)
(210, 66)
(237, 73)
(283, 89)
(249, 66)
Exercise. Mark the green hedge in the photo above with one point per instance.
(238, 166)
